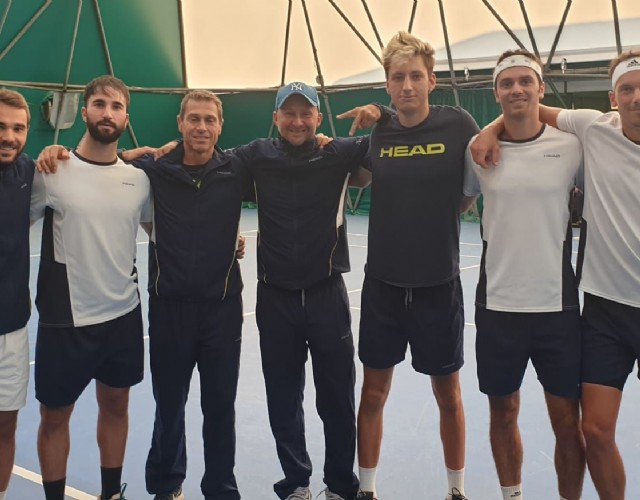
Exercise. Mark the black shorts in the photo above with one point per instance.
(610, 341)
(505, 341)
(67, 359)
(429, 319)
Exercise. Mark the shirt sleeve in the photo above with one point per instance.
(468, 128)
(577, 121)
(38, 196)
(358, 152)
(146, 215)
(470, 183)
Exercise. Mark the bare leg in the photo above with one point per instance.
(600, 407)
(570, 448)
(8, 423)
(506, 443)
(375, 390)
(446, 389)
(54, 442)
(113, 424)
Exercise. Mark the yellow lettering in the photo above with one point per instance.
(401, 151)
(386, 152)
(435, 149)
(417, 150)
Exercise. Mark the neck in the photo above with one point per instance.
(413, 119)
(196, 157)
(96, 151)
(521, 129)
(631, 133)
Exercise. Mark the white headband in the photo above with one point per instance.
(623, 68)
(517, 60)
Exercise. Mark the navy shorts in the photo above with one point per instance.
(610, 341)
(429, 319)
(68, 358)
(505, 341)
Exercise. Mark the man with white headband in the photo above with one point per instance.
(527, 304)
(608, 260)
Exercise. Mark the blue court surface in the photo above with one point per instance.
(411, 465)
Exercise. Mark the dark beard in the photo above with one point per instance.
(18, 153)
(102, 136)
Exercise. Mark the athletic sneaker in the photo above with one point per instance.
(301, 493)
(456, 495)
(117, 496)
(365, 495)
(174, 495)
(330, 495)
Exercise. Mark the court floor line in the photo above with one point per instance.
(37, 478)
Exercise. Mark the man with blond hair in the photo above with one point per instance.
(412, 293)
(16, 177)
(526, 300)
(608, 260)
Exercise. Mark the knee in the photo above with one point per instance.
(373, 399)
(597, 435)
(504, 412)
(450, 400)
(115, 406)
(53, 420)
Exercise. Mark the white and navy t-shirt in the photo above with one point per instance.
(609, 260)
(526, 258)
(92, 212)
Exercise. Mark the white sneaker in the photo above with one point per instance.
(301, 493)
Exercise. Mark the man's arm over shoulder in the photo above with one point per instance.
(38, 197)
(471, 182)
(575, 121)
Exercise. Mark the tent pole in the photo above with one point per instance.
(413, 15)
(373, 25)
(25, 28)
(559, 32)
(616, 25)
(63, 94)
(527, 23)
(5, 14)
(284, 58)
(454, 83)
(354, 29)
(504, 25)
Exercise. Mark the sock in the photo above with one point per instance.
(367, 479)
(3, 495)
(110, 481)
(512, 492)
(455, 478)
(54, 490)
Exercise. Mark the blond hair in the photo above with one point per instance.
(404, 46)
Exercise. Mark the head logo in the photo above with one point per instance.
(412, 150)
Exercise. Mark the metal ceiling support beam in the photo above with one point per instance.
(616, 25)
(105, 46)
(183, 52)
(5, 14)
(413, 15)
(527, 23)
(449, 58)
(320, 77)
(373, 25)
(355, 30)
(558, 33)
(25, 28)
(65, 84)
(554, 89)
(503, 24)
(287, 34)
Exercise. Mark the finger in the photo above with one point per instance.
(354, 126)
(495, 153)
(348, 114)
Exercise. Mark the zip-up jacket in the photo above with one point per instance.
(15, 196)
(300, 191)
(195, 226)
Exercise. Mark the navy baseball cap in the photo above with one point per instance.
(297, 88)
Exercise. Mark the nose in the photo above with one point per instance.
(7, 134)
(406, 84)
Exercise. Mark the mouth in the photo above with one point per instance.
(8, 147)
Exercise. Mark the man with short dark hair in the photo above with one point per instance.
(527, 299)
(90, 324)
(16, 177)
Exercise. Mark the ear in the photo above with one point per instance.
(275, 118)
(432, 81)
(83, 112)
(319, 119)
(495, 94)
(126, 121)
(612, 99)
(541, 91)
(179, 120)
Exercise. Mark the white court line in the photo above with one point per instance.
(37, 478)
(469, 267)
(471, 244)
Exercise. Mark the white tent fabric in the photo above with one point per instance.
(241, 43)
